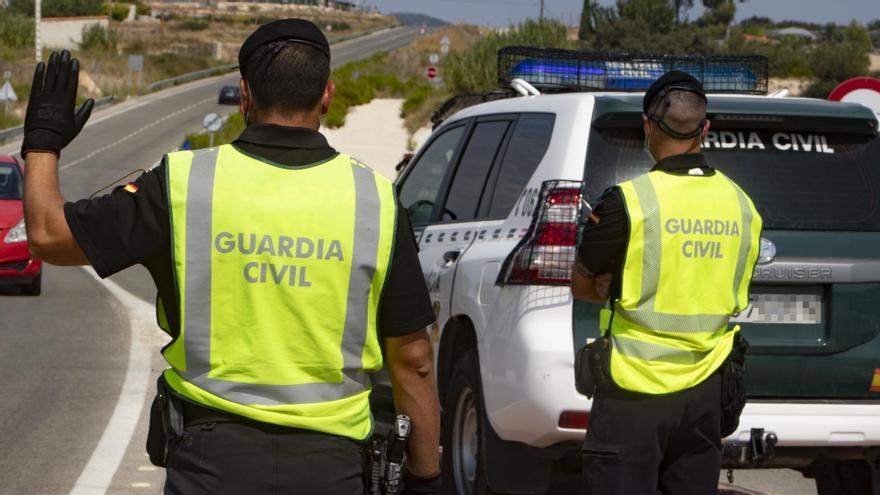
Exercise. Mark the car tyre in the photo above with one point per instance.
(35, 287)
(462, 435)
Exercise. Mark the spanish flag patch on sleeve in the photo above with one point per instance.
(131, 187)
(875, 383)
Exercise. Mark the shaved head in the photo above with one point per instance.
(682, 111)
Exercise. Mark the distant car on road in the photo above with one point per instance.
(16, 264)
(229, 95)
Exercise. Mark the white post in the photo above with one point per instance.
(38, 40)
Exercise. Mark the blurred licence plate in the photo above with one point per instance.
(801, 309)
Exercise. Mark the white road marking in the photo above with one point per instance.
(135, 133)
(145, 335)
(141, 484)
(146, 468)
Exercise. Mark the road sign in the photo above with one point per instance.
(213, 122)
(432, 72)
(7, 93)
(434, 58)
(864, 90)
(444, 45)
(7, 75)
(445, 40)
(135, 63)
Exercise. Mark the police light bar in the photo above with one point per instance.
(556, 70)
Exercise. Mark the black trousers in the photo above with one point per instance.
(641, 444)
(227, 458)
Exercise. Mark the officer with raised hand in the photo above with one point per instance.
(282, 266)
(674, 251)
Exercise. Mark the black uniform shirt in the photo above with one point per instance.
(603, 247)
(123, 228)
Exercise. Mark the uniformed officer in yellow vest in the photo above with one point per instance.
(283, 268)
(672, 253)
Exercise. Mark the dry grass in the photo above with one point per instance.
(173, 47)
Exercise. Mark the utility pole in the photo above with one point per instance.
(541, 17)
(38, 40)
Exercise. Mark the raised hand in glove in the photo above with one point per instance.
(50, 123)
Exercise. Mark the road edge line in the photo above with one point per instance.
(99, 471)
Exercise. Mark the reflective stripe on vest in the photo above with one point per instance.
(297, 404)
(662, 348)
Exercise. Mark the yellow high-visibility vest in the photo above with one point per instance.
(279, 271)
(693, 244)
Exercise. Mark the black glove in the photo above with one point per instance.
(50, 123)
(416, 485)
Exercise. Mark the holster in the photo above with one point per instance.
(733, 385)
(166, 423)
(592, 367)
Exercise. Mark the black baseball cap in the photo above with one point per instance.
(674, 79)
(282, 30)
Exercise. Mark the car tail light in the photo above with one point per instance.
(546, 253)
(574, 420)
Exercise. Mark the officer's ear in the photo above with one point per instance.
(327, 98)
(706, 126)
(646, 122)
(245, 100)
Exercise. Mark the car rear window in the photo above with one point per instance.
(10, 182)
(798, 179)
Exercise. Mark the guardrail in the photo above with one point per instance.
(167, 83)
(11, 133)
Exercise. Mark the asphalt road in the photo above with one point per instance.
(67, 370)
(77, 364)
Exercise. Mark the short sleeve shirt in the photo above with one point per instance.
(603, 245)
(131, 226)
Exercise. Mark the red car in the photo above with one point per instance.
(16, 263)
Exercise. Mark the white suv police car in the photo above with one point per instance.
(496, 195)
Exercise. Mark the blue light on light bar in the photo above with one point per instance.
(629, 75)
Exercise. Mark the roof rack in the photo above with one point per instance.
(555, 70)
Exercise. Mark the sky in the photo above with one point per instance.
(506, 12)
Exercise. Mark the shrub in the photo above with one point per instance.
(474, 69)
(194, 24)
(57, 8)
(16, 31)
(95, 36)
(117, 11)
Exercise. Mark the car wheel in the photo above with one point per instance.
(462, 434)
(35, 287)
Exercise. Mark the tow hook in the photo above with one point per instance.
(757, 450)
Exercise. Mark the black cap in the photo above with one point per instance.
(290, 30)
(674, 79)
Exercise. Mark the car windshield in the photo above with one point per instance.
(10, 182)
(798, 180)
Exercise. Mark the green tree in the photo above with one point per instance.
(587, 28)
(846, 56)
(658, 16)
(681, 9)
